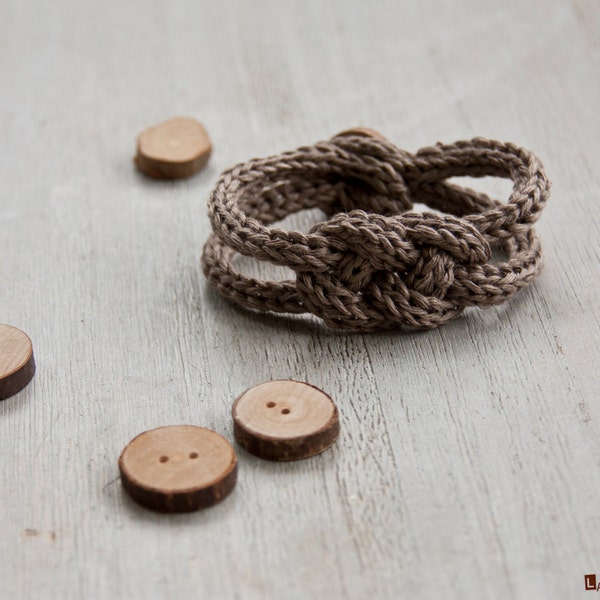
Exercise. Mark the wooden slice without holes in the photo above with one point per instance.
(285, 420)
(180, 468)
(174, 149)
(364, 131)
(17, 365)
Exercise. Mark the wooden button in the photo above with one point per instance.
(179, 468)
(17, 365)
(285, 420)
(176, 148)
(364, 131)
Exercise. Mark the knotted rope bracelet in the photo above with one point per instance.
(374, 265)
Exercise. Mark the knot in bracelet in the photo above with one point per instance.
(374, 265)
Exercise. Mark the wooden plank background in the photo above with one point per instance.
(468, 465)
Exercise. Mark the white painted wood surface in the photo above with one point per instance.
(469, 460)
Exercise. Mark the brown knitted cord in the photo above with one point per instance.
(373, 265)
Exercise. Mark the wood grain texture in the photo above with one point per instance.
(468, 463)
(176, 148)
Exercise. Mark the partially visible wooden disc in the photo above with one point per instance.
(180, 468)
(285, 420)
(177, 148)
(17, 365)
(364, 131)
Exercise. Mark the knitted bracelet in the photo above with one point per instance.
(372, 265)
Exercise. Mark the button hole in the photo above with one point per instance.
(193, 455)
(163, 459)
(270, 404)
(285, 411)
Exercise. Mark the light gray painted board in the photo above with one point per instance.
(468, 461)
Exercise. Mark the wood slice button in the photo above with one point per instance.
(364, 131)
(17, 365)
(180, 468)
(285, 420)
(176, 148)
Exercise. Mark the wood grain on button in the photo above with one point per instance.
(180, 468)
(285, 420)
(17, 365)
(176, 148)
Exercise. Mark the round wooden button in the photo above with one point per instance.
(17, 365)
(179, 468)
(176, 148)
(364, 131)
(285, 420)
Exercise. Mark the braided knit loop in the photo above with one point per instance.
(375, 264)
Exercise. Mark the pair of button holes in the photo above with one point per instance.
(192, 455)
(284, 411)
